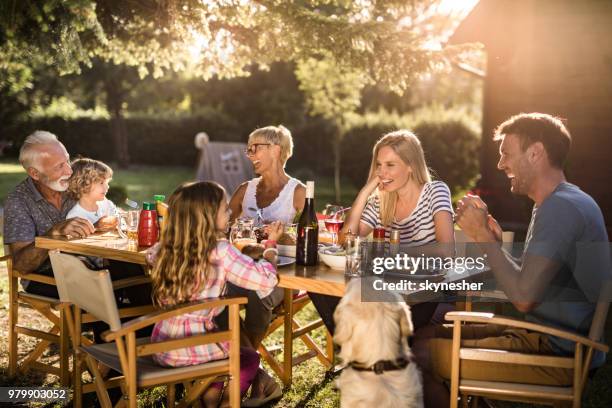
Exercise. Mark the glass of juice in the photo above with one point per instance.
(131, 226)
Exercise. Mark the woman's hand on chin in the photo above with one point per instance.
(372, 184)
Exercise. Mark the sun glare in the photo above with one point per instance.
(461, 7)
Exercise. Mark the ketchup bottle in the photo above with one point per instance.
(148, 229)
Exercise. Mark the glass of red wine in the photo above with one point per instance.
(334, 221)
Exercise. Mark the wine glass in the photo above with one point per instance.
(334, 221)
(242, 233)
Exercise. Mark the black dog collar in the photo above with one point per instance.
(381, 366)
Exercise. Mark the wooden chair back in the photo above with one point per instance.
(580, 363)
(601, 312)
(90, 290)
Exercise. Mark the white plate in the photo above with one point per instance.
(285, 260)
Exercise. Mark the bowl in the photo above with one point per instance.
(334, 261)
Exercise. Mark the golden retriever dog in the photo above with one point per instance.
(379, 368)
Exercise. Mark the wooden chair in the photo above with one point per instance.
(580, 362)
(92, 291)
(285, 316)
(49, 308)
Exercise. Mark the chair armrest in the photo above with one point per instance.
(488, 294)
(490, 318)
(130, 282)
(163, 314)
(4, 258)
(35, 277)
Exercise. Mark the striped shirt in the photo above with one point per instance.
(419, 227)
(229, 265)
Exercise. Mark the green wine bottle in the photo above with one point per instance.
(307, 231)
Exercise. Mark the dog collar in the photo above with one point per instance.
(381, 366)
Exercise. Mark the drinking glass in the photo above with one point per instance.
(354, 253)
(128, 226)
(334, 221)
(289, 234)
(243, 233)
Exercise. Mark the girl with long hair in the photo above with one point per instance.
(194, 262)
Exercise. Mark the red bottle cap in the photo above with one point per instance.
(379, 233)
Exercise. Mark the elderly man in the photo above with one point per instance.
(38, 207)
(565, 261)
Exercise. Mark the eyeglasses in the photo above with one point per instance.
(252, 149)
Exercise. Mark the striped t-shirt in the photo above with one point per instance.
(419, 227)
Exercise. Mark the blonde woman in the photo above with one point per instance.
(400, 194)
(274, 195)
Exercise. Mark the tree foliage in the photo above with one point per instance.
(383, 39)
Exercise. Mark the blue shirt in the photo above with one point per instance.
(568, 228)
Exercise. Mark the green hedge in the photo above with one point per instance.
(450, 141)
(150, 140)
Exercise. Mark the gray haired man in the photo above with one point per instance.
(38, 207)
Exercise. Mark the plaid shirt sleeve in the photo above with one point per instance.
(243, 271)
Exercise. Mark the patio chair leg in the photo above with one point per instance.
(101, 391)
(64, 353)
(329, 346)
(195, 391)
(171, 395)
(288, 338)
(13, 316)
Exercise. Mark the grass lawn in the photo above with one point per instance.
(142, 182)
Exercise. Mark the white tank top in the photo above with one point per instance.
(281, 209)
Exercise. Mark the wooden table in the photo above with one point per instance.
(318, 279)
(106, 245)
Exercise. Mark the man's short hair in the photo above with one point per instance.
(28, 154)
(539, 127)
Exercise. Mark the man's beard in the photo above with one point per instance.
(55, 185)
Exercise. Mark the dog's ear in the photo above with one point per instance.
(406, 328)
(344, 327)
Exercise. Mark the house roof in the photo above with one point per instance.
(488, 21)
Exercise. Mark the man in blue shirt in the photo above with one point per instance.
(564, 264)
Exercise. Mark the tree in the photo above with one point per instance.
(333, 92)
(383, 40)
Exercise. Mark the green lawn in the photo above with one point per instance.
(142, 182)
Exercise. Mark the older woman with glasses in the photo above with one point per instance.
(273, 196)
